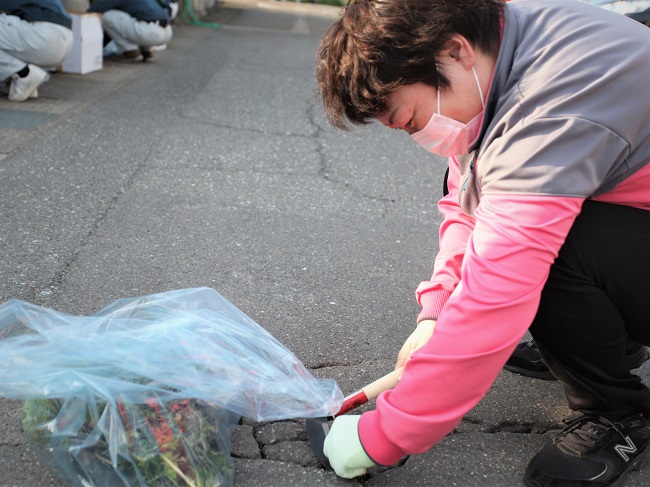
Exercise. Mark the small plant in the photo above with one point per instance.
(177, 443)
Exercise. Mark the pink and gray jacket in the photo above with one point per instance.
(567, 118)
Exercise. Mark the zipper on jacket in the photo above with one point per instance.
(471, 170)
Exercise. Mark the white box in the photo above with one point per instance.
(87, 45)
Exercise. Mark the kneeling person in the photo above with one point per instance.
(135, 25)
(32, 35)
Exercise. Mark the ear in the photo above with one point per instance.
(460, 50)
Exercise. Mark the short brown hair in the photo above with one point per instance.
(377, 46)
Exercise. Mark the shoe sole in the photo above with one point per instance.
(544, 375)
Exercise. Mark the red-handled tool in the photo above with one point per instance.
(317, 428)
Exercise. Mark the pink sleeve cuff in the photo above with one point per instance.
(376, 444)
(432, 302)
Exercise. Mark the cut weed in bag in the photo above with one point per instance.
(148, 390)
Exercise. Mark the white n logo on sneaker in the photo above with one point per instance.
(623, 450)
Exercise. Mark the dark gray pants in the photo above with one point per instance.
(597, 298)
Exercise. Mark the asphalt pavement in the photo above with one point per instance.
(214, 166)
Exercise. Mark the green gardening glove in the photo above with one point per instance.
(344, 450)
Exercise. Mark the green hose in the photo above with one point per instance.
(190, 19)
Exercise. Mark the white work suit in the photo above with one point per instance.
(130, 33)
(40, 43)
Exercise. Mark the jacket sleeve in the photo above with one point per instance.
(515, 240)
(102, 6)
(454, 232)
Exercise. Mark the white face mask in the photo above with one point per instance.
(447, 137)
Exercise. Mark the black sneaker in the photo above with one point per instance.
(592, 452)
(147, 54)
(131, 56)
(526, 360)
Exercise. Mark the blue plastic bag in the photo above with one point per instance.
(148, 390)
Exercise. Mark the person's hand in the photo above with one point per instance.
(344, 450)
(418, 338)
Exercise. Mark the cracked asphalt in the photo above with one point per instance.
(214, 166)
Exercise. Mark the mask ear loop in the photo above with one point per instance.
(478, 83)
(480, 91)
(438, 87)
